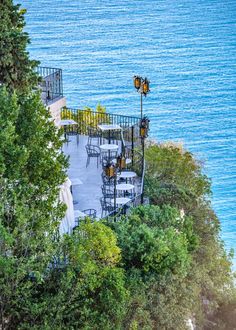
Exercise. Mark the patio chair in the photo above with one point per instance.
(93, 134)
(112, 137)
(93, 151)
(92, 213)
(108, 191)
(107, 156)
(106, 205)
(115, 137)
(106, 180)
(128, 156)
(72, 130)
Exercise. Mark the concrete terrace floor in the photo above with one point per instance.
(86, 195)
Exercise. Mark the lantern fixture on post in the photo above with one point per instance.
(142, 86)
(121, 162)
(111, 172)
(137, 82)
(145, 85)
(144, 127)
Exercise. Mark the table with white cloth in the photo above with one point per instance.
(65, 123)
(79, 214)
(127, 175)
(108, 148)
(121, 200)
(65, 196)
(108, 128)
(126, 188)
(128, 161)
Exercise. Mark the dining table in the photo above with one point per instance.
(120, 200)
(127, 175)
(66, 122)
(109, 148)
(109, 128)
(126, 189)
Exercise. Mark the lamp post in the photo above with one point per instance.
(142, 86)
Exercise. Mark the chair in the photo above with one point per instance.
(108, 191)
(93, 134)
(106, 180)
(93, 151)
(106, 205)
(92, 213)
(115, 137)
(72, 130)
(112, 136)
(78, 217)
(108, 155)
(128, 156)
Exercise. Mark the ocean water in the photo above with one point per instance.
(186, 48)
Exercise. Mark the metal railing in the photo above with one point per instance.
(51, 83)
(88, 118)
(117, 214)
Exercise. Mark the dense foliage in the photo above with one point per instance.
(175, 178)
(16, 69)
(31, 170)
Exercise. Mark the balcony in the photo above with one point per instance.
(51, 84)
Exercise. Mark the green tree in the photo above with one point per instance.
(157, 245)
(88, 292)
(31, 171)
(16, 69)
(175, 178)
(155, 240)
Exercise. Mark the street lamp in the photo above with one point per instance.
(142, 86)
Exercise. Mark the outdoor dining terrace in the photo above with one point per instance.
(106, 165)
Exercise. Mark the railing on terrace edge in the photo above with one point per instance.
(51, 84)
(88, 118)
(124, 209)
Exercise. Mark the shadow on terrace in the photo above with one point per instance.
(106, 164)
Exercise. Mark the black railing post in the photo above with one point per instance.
(132, 145)
(143, 154)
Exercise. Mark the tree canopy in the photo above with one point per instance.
(16, 68)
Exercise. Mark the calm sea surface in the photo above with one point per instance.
(187, 48)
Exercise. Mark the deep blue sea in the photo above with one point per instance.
(186, 48)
